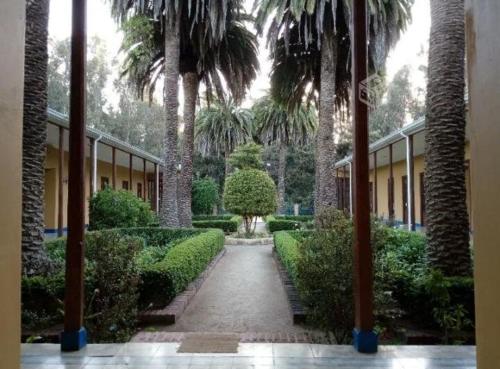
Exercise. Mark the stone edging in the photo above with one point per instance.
(173, 311)
(248, 241)
(296, 307)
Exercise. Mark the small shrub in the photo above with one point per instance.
(324, 271)
(228, 226)
(182, 264)
(118, 209)
(213, 217)
(282, 225)
(111, 308)
(287, 248)
(250, 193)
(205, 194)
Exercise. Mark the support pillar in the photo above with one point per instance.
(410, 175)
(144, 181)
(92, 172)
(60, 185)
(113, 175)
(364, 338)
(74, 336)
(375, 185)
(155, 193)
(351, 210)
(390, 195)
(130, 169)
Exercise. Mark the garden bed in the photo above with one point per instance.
(126, 269)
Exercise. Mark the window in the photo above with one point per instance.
(104, 182)
(125, 185)
(139, 190)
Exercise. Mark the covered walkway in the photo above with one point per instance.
(249, 356)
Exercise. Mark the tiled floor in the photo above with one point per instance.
(250, 356)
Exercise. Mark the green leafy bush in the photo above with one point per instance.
(111, 306)
(118, 209)
(250, 193)
(282, 225)
(181, 265)
(213, 217)
(205, 194)
(248, 156)
(287, 248)
(297, 218)
(228, 226)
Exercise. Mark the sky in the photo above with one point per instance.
(406, 52)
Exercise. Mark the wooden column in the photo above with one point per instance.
(337, 179)
(113, 175)
(74, 335)
(411, 183)
(344, 181)
(365, 340)
(60, 185)
(92, 163)
(130, 170)
(391, 186)
(144, 181)
(155, 193)
(375, 184)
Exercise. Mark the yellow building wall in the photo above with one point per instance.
(11, 122)
(104, 169)
(399, 170)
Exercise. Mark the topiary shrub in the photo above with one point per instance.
(118, 209)
(205, 194)
(250, 193)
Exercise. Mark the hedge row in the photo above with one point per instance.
(213, 217)
(275, 225)
(182, 264)
(298, 218)
(227, 225)
(287, 248)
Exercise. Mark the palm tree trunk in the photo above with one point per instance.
(281, 177)
(34, 136)
(190, 83)
(326, 189)
(169, 213)
(445, 194)
(227, 165)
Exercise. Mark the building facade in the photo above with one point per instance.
(109, 162)
(397, 167)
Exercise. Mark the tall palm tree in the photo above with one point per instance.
(233, 58)
(275, 123)
(447, 223)
(222, 126)
(34, 135)
(310, 43)
(209, 18)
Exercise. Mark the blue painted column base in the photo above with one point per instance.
(73, 340)
(365, 341)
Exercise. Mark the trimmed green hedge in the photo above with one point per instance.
(182, 264)
(275, 225)
(297, 218)
(213, 217)
(287, 248)
(227, 225)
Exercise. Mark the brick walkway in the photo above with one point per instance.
(244, 295)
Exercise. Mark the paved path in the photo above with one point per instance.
(242, 294)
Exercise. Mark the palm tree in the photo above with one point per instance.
(222, 126)
(34, 135)
(447, 224)
(310, 43)
(277, 124)
(234, 58)
(174, 17)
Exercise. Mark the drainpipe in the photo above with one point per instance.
(350, 188)
(94, 164)
(409, 176)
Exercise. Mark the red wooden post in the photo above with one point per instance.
(74, 336)
(93, 142)
(155, 194)
(375, 184)
(60, 185)
(144, 180)
(411, 182)
(391, 186)
(130, 169)
(113, 175)
(365, 340)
